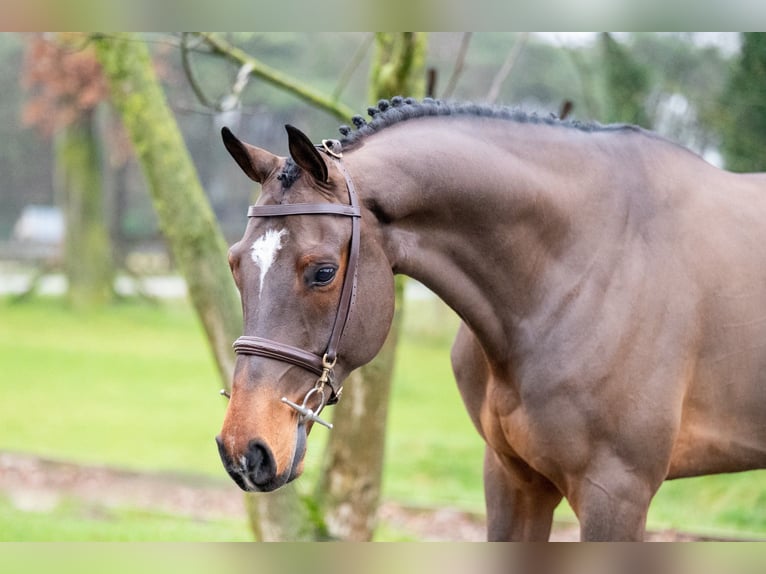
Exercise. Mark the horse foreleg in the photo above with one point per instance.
(520, 501)
(612, 502)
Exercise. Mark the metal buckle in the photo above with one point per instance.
(330, 146)
(327, 367)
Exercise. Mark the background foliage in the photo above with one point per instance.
(680, 68)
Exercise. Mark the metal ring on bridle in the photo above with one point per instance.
(306, 413)
(330, 146)
(319, 390)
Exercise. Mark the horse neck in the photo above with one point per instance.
(480, 219)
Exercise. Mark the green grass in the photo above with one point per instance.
(720, 504)
(72, 520)
(433, 452)
(134, 387)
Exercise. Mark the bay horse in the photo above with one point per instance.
(611, 286)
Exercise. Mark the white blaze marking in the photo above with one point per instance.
(264, 251)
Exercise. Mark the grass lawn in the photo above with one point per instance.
(72, 521)
(134, 387)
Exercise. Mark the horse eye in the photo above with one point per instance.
(324, 275)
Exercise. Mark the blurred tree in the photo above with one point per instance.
(88, 262)
(349, 488)
(26, 158)
(505, 70)
(744, 108)
(688, 79)
(251, 66)
(627, 84)
(66, 88)
(185, 217)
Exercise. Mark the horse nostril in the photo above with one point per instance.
(260, 463)
(255, 470)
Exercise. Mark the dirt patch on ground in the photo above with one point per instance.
(37, 484)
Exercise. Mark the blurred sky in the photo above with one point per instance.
(728, 42)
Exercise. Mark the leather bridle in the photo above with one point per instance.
(321, 365)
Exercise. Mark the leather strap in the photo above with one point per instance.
(348, 292)
(247, 345)
(303, 209)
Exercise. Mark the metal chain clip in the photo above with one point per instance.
(306, 413)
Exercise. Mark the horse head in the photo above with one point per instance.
(317, 297)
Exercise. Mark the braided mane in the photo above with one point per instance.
(399, 109)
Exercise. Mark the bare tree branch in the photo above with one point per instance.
(459, 63)
(353, 64)
(229, 101)
(191, 77)
(507, 66)
(256, 68)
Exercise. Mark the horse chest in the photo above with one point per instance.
(520, 427)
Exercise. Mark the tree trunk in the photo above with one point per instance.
(88, 263)
(188, 224)
(349, 488)
(184, 215)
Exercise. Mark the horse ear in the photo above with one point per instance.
(257, 163)
(305, 154)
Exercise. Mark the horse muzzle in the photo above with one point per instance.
(256, 469)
